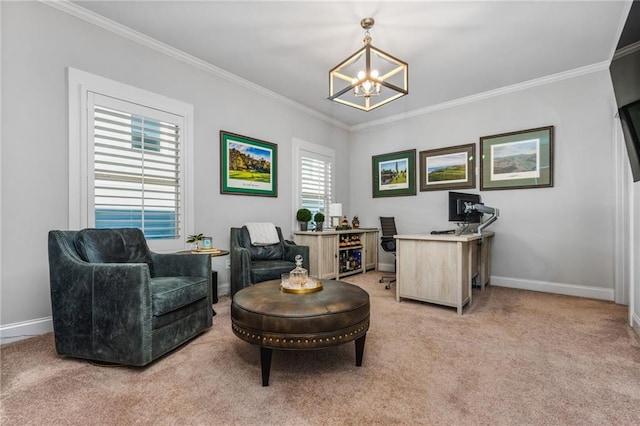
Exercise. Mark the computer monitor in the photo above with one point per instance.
(456, 207)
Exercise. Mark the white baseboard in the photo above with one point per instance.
(600, 293)
(224, 289)
(635, 323)
(25, 329)
(386, 267)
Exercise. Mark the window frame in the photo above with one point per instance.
(80, 85)
(300, 147)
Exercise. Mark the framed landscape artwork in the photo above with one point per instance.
(394, 174)
(517, 160)
(448, 168)
(248, 166)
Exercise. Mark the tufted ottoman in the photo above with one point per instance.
(265, 316)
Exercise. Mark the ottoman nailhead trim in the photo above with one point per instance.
(278, 340)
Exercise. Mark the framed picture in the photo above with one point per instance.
(448, 168)
(394, 174)
(248, 166)
(207, 242)
(517, 160)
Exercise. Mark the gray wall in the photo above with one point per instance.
(38, 43)
(546, 237)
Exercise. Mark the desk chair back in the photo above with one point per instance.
(388, 243)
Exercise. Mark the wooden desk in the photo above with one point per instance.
(440, 268)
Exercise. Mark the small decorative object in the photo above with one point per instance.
(195, 240)
(319, 219)
(345, 222)
(207, 243)
(303, 216)
(298, 280)
(355, 222)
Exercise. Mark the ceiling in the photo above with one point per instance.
(455, 49)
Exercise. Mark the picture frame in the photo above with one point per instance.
(248, 166)
(448, 168)
(207, 243)
(394, 174)
(517, 160)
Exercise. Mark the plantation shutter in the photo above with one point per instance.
(136, 168)
(316, 182)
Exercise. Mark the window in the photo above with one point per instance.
(315, 181)
(136, 169)
(314, 174)
(128, 160)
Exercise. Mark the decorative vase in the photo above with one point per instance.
(304, 226)
(319, 226)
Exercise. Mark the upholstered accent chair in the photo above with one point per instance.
(251, 264)
(114, 300)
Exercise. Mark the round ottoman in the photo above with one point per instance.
(264, 315)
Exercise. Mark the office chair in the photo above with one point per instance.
(388, 244)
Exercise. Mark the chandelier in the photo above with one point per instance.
(370, 77)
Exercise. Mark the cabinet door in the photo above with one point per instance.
(371, 250)
(328, 256)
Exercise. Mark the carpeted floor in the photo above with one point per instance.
(513, 358)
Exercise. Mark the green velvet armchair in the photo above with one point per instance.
(113, 300)
(252, 264)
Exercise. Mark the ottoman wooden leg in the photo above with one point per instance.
(360, 349)
(265, 361)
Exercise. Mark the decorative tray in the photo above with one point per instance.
(311, 286)
(211, 250)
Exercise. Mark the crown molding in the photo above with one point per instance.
(93, 18)
(627, 50)
(488, 94)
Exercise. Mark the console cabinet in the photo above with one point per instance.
(335, 254)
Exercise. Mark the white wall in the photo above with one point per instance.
(38, 44)
(557, 239)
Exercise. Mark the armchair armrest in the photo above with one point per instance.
(175, 264)
(240, 268)
(121, 310)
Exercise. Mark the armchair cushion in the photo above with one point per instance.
(113, 246)
(171, 293)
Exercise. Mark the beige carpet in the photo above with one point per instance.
(514, 357)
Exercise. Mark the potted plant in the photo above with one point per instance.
(303, 216)
(195, 240)
(319, 219)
